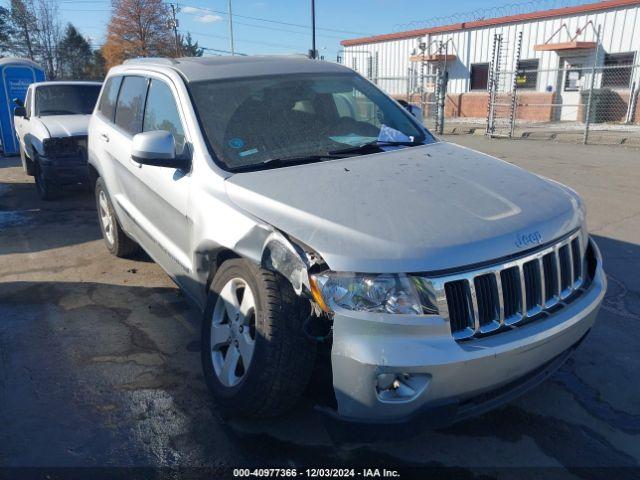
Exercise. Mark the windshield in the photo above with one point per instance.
(252, 122)
(66, 99)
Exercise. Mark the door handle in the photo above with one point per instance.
(104, 137)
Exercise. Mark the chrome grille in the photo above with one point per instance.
(491, 298)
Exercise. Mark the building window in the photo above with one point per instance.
(527, 76)
(617, 70)
(479, 76)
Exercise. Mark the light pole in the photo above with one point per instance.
(174, 25)
(231, 47)
(313, 29)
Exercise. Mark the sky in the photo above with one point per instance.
(283, 26)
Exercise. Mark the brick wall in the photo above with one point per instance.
(536, 106)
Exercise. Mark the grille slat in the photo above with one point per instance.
(507, 294)
(577, 260)
(550, 278)
(543, 287)
(511, 293)
(532, 285)
(565, 270)
(458, 301)
(487, 298)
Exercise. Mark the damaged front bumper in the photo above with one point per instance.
(447, 380)
(65, 171)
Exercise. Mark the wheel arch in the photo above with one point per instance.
(278, 253)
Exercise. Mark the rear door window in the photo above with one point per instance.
(130, 105)
(107, 106)
(161, 113)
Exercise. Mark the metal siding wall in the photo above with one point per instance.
(620, 33)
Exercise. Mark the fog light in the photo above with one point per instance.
(400, 387)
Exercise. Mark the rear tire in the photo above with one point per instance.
(268, 330)
(46, 190)
(117, 242)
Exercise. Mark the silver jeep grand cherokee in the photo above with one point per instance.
(322, 229)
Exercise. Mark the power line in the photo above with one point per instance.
(274, 28)
(222, 37)
(219, 12)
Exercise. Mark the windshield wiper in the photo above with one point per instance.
(375, 144)
(287, 161)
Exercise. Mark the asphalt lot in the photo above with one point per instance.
(99, 356)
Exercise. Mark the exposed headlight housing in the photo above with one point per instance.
(384, 293)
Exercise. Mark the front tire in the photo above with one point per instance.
(46, 190)
(256, 359)
(27, 164)
(117, 242)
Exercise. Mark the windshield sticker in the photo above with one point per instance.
(388, 134)
(236, 143)
(248, 152)
(352, 139)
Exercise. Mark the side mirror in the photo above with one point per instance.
(18, 102)
(20, 111)
(158, 149)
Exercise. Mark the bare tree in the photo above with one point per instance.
(23, 19)
(48, 35)
(138, 28)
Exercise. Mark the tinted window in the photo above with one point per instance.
(527, 74)
(617, 70)
(109, 96)
(479, 76)
(130, 107)
(66, 99)
(161, 113)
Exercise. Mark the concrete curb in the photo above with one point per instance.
(597, 137)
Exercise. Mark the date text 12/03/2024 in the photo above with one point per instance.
(317, 473)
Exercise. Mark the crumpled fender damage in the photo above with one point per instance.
(269, 248)
(282, 256)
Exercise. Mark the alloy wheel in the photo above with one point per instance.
(233, 332)
(105, 217)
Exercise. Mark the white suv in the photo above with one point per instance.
(306, 212)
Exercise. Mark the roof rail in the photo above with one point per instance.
(153, 60)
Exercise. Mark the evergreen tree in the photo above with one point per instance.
(6, 31)
(75, 55)
(190, 49)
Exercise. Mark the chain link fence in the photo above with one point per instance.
(573, 101)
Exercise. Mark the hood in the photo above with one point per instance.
(66, 125)
(419, 209)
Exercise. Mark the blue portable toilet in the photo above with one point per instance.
(16, 74)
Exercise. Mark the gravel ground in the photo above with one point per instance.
(99, 356)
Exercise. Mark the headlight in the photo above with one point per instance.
(383, 293)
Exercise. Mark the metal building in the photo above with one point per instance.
(554, 59)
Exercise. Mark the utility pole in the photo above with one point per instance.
(174, 25)
(231, 47)
(313, 29)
